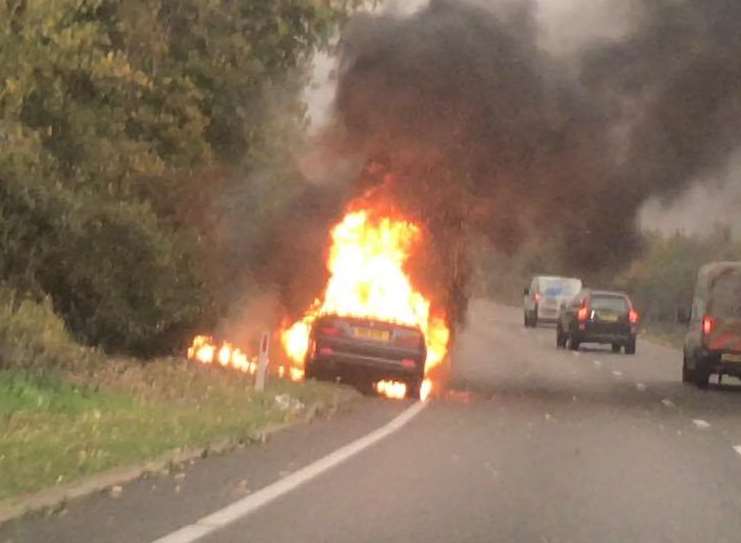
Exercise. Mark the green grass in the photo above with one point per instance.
(54, 430)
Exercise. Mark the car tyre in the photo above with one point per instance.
(630, 348)
(688, 375)
(414, 387)
(616, 348)
(573, 343)
(560, 337)
(702, 373)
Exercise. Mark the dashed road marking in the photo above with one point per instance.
(617, 373)
(701, 423)
(641, 387)
(241, 508)
(737, 448)
(597, 363)
(667, 402)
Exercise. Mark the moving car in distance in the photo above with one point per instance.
(713, 341)
(598, 316)
(365, 351)
(545, 295)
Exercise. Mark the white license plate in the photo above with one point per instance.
(733, 358)
(372, 333)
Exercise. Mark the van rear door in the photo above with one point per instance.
(724, 313)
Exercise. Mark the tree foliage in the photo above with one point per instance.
(119, 123)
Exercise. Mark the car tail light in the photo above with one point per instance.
(329, 331)
(583, 313)
(633, 316)
(326, 351)
(708, 324)
(537, 297)
(408, 363)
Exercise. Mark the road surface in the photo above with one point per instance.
(533, 444)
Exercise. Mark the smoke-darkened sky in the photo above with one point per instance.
(492, 118)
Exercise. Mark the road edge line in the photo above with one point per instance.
(249, 504)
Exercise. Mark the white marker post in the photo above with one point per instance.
(262, 364)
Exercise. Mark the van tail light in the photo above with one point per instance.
(329, 331)
(583, 313)
(633, 316)
(708, 325)
(408, 363)
(326, 351)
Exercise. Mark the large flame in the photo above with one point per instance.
(367, 279)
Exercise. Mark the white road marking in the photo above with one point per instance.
(701, 423)
(617, 373)
(253, 502)
(597, 363)
(737, 448)
(641, 387)
(667, 402)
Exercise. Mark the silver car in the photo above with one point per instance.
(543, 298)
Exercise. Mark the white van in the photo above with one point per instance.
(544, 296)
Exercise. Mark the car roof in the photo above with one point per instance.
(710, 271)
(595, 292)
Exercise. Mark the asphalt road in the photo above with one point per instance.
(533, 444)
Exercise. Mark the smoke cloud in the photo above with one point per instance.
(479, 119)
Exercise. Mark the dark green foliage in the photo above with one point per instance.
(121, 123)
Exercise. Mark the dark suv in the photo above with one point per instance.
(365, 351)
(713, 342)
(598, 316)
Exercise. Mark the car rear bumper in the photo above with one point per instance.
(366, 366)
(728, 363)
(616, 338)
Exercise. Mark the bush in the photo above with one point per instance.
(34, 338)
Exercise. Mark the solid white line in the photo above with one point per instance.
(250, 504)
(701, 423)
(737, 448)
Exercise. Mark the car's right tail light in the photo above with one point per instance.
(633, 316)
(583, 313)
(708, 325)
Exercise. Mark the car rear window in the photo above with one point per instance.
(726, 296)
(617, 304)
(560, 287)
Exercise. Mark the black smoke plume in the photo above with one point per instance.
(473, 129)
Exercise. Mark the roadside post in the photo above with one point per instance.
(262, 364)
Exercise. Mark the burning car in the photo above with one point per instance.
(368, 351)
(371, 322)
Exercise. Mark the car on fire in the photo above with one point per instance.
(366, 351)
(544, 297)
(598, 316)
(713, 340)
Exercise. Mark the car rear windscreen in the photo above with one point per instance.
(558, 287)
(726, 296)
(618, 304)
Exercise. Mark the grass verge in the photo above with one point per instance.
(56, 429)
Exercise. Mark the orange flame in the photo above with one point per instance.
(206, 351)
(367, 279)
(393, 390)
